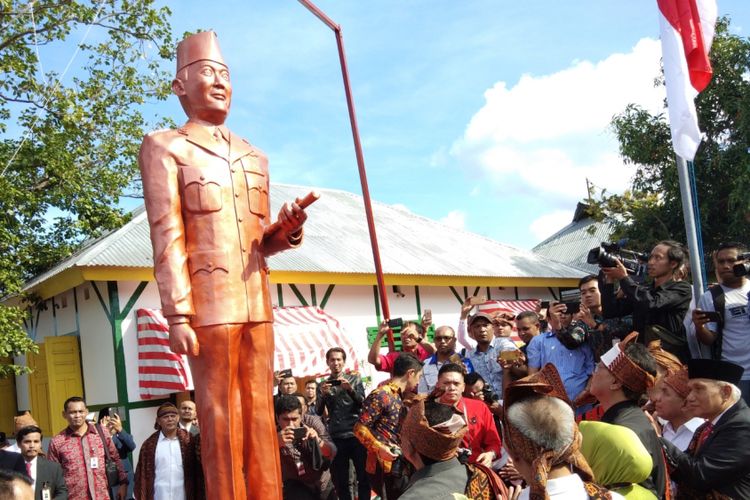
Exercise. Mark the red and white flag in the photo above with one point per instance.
(687, 30)
(160, 371)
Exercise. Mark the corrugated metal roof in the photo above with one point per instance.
(337, 241)
(571, 244)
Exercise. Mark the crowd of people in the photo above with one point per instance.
(636, 391)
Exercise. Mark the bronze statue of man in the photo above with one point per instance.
(206, 193)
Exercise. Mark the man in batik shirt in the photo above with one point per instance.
(79, 449)
(379, 425)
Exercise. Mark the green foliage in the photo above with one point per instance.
(651, 209)
(69, 143)
(13, 340)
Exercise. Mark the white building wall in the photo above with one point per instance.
(149, 299)
(97, 351)
(44, 324)
(65, 312)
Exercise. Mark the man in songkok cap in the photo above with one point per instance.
(430, 438)
(544, 442)
(622, 377)
(716, 464)
(206, 192)
(168, 464)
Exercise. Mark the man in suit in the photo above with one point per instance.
(47, 476)
(187, 417)
(206, 194)
(717, 461)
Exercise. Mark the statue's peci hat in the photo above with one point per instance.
(203, 46)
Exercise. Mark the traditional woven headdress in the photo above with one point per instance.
(439, 442)
(678, 381)
(625, 370)
(666, 360)
(24, 420)
(545, 382)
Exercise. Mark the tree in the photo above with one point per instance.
(651, 209)
(69, 139)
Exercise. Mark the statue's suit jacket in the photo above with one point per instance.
(208, 208)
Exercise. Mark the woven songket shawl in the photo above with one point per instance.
(624, 369)
(545, 382)
(438, 443)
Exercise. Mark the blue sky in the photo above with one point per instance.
(489, 115)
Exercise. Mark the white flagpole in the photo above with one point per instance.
(688, 213)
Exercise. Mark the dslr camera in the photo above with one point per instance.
(743, 268)
(489, 396)
(606, 255)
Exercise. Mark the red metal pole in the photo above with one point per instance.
(360, 161)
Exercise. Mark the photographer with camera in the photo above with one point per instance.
(306, 452)
(658, 308)
(413, 340)
(565, 347)
(721, 317)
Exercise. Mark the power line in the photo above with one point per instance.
(57, 84)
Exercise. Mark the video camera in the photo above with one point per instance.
(606, 255)
(743, 268)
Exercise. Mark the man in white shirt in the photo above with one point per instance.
(669, 400)
(46, 476)
(445, 352)
(168, 468)
(727, 337)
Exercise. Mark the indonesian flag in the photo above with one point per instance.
(687, 30)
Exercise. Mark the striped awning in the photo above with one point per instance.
(302, 336)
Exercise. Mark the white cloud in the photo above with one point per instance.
(455, 218)
(548, 224)
(547, 134)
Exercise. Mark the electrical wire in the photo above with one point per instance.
(57, 84)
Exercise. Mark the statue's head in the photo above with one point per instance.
(202, 80)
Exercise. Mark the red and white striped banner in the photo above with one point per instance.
(160, 371)
(302, 335)
(512, 306)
